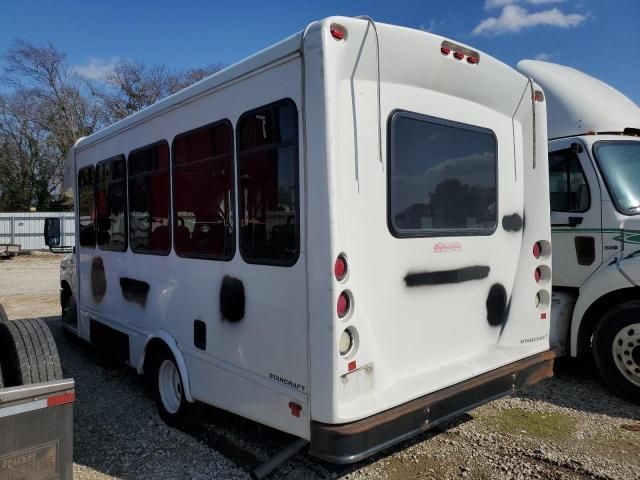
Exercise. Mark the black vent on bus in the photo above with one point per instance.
(200, 334)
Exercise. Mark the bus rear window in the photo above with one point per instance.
(442, 177)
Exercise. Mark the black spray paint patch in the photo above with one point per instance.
(442, 277)
(135, 291)
(497, 307)
(512, 223)
(98, 279)
(232, 299)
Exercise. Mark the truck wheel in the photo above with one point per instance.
(616, 349)
(28, 353)
(169, 392)
(14, 356)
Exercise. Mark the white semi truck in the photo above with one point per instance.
(594, 181)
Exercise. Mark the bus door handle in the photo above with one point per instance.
(575, 221)
(571, 222)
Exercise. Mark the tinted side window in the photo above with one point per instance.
(86, 208)
(569, 191)
(442, 177)
(268, 184)
(149, 199)
(111, 204)
(203, 192)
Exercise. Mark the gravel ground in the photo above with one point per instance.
(569, 427)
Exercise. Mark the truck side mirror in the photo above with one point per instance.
(52, 232)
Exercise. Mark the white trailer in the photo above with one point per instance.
(594, 180)
(328, 237)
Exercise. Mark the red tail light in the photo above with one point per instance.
(458, 55)
(337, 32)
(538, 275)
(537, 249)
(343, 304)
(445, 50)
(340, 268)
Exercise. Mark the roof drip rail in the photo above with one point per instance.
(375, 30)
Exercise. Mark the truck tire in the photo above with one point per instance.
(616, 349)
(28, 353)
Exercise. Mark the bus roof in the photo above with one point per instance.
(578, 103)
(278, 51)
(494, 83)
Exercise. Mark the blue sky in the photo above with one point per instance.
(600, 37)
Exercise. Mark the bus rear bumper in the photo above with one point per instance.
(352, 442)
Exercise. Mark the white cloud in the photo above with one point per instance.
(97, 68)
(542, 2)
(514, 18)
(544, 56)
(433, 25)
(489, 4)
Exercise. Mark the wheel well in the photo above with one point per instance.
(66, 292)
(155, 348)
(597, 309)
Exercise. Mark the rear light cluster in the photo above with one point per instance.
(459, 52)
(542, 276)
(338, 32)
(348, 341)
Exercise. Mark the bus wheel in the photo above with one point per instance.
(169, 391)
(616, 349)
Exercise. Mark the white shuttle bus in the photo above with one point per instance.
(594, 169)
(345, 237)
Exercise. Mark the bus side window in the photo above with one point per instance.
(267, 142)
(203, 185)
(569, 191)
(149, 224)
(111, 204)
(86, 207)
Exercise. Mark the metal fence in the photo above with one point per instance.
(27, 229)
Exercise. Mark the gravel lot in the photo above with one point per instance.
(569, 427)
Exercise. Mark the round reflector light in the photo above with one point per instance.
(346, 342)
(538, 275)
(343, 304)
(340, 268)
(537, 249)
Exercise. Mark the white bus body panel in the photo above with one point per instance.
(235, 370)
(412, 341)
(419, 340)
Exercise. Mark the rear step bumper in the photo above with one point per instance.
(351, 442)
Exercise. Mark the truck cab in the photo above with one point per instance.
(594, 183)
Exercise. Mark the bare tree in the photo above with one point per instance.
(44, 115)
(131, 86)
(49, 106)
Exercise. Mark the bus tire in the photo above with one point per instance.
(616, 349)
(172, 404)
